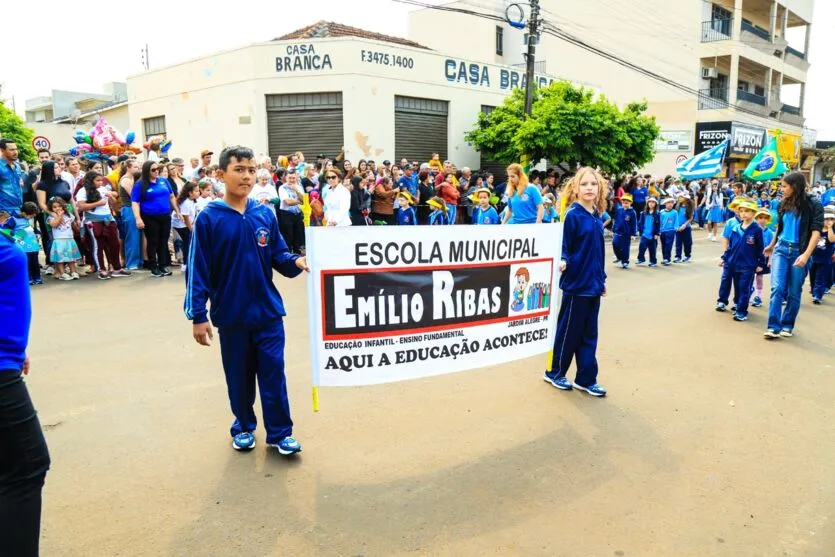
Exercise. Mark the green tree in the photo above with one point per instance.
(570, 125)
(494, 132)
(12, 127)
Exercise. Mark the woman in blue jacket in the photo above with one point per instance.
(583, 282)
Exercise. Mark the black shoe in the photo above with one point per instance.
(165, 271)
(157, 272)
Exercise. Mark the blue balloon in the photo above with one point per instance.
(130, 137)
(73, 152)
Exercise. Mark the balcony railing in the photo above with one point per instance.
(710, 99)
(754, 30)
(795, 52)
(717, 30)
(789, 109)
(742, 95)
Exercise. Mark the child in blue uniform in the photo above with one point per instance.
(625, 226)
(484, 213)
(684, 232)
(439, 211)
(763, 218)
(583, 282)
(649, 227)
(234, 248)
(820, 274)
(742, 258)
(405, 212)
(669, 224)
(549, 215)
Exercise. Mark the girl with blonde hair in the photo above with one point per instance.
(583, 283)
(524, 204)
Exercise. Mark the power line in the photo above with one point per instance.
(552, 30)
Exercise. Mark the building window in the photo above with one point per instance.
(153, 126)
(759, 90)
(499, 41)
(720, 13)
(742, 86)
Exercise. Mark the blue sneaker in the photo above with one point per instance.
(740, 317)
(653, 265)
(757, 302)
(288, 446)
(686, 260)
(721, 307)
(561, 383)
(243, 441)
(666, 262)
(593, 390)
(677, 260)
(816, 301)
(641, 263)
(625, 264)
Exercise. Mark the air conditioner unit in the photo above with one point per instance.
(710, 73)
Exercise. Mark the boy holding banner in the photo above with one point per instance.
(235, 247)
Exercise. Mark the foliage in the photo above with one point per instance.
(828, 155)
(13, 127)
(568, 124)
(494, 133)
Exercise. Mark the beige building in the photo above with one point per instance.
(319, 89)
(727, 64)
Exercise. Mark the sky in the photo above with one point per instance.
(57, 52)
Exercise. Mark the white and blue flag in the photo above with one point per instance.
(704, 165)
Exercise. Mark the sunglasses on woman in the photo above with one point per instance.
(332, 177)
(155, 169)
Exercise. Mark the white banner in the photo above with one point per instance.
(400, 302)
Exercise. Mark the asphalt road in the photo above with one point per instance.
(713, 441)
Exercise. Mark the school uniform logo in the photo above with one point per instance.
(524, 197)
(750, 240)
(262, 237)
(486, 220)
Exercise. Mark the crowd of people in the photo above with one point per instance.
(114, 217)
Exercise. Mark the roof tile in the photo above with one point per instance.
(322, 29)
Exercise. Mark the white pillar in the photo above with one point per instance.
(802, 97)
(733, 80)
(772, 20)
(737, 30)
(808, 38)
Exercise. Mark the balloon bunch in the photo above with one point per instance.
(158, 141)
(102, 141)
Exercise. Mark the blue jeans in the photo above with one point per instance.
(132, 240)
(786, 286)
(620, 245)
(742, 281)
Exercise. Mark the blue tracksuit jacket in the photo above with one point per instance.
(626, 222)
(230, 264)
(16, 305)
(584, 252)
(745, 248)
(656, 224)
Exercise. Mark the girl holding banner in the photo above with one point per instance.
(583, 282)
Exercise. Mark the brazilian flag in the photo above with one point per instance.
(766, 165)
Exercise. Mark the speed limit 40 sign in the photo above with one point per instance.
(40, 142)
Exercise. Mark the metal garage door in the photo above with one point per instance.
(499, 170)
(306, 122)
(420, 128)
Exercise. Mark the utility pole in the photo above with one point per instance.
(533, 39)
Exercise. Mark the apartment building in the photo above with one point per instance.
(708, 69)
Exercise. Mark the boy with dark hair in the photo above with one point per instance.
(235, 247)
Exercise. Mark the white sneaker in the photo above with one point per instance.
(65, 276)
(49, 270)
